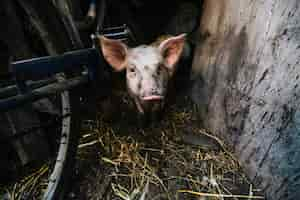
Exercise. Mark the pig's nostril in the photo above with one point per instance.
(154, 91)
(152, 95)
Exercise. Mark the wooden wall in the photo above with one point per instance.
(246, 71)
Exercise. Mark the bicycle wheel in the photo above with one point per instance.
(65, 122)
(65, 160)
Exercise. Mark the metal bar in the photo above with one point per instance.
(38, 68)
(12, 90)
(114, 28)
(21, 99)
(118, 34)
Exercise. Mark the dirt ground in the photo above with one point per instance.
(172, 158)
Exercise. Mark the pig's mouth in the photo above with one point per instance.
(153, 98)
(150, 103)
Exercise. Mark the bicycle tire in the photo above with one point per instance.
(58, 183)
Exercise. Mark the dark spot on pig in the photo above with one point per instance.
(155, 77)
(146, 67)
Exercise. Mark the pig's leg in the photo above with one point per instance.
(139, 106)
(142, 120)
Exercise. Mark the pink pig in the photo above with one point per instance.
(149, 68)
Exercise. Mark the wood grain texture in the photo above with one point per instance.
(246, 72)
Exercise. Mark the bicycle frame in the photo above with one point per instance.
(38, 78)
(89, 60)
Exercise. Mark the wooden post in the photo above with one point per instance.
(247, 75)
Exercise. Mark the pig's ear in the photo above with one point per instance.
(171, 49)
(114, 52)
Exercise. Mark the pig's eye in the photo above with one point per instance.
(159, 70)
(131, 70)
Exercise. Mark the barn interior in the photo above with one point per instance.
(229, 131)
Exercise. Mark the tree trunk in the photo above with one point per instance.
(246, 72)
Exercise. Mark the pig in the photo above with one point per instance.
(149, 68)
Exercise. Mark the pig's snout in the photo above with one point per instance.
(151, 91)
(153, 95)
(153, 98)
(152, 103)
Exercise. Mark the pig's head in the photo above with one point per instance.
(148, 68)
